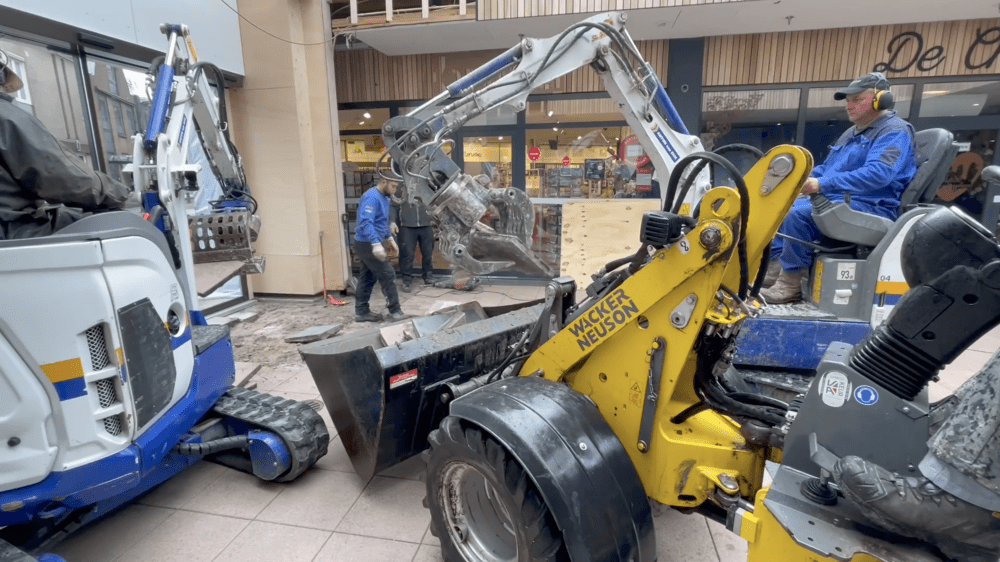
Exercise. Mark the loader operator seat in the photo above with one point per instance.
(935, 150)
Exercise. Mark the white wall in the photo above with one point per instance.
(215, 28)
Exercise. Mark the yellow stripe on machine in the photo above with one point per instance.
(63, 370)
(891, 287)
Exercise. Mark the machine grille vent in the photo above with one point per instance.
(113, 425)
(98, 348)
(106, 392)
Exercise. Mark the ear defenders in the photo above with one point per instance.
(883, 97)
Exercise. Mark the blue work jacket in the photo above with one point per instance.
(874, 164)
(373, 217)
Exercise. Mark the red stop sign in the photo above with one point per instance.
(565, 160)
(534, 153)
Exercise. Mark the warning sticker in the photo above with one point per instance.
(834, 388)
(403, 378)
(684, 245)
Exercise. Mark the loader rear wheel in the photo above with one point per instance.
(484, 508)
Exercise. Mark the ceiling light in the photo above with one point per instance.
(779, 124)
(361, 122)
(935, 92)
(499, 138)
(975, 105)
(551, 112)
(556, 129)
(578, 138)
(368, 115)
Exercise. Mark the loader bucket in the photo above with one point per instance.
(386, 399)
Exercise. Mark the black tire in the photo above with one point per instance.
(483, 506)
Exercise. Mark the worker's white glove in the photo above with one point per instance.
(379, 251)
(394, 229)
(391, 249)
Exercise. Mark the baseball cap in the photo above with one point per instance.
(875, 80)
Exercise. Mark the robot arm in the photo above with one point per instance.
(457, 201)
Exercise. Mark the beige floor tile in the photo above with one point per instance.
(186, 536)
(336, 458)
(318, 499)
(269, 378)
(430, 539)
(968, 363)
(989, 342)
(300, 382)
(268, 542)
(413, 468)
(938, 390)
(353, 548)
(110, 538)
(236, 494)
(683, 538)
(389, 508)
(185, 486)
(428, 553)
(729, 546)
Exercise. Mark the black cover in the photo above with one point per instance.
(149, 359)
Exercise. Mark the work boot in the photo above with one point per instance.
(913, 506)
(368, 317)
(428, 280)
(773, 270)
(787, 287)
(406, 286)
(398, 315)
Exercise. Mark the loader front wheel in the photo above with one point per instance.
(484, 508)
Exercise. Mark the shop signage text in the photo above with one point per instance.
(982, 52)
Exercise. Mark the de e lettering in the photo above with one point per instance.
(982, 52)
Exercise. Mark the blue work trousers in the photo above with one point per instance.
(799, 224)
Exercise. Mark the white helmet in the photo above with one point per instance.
(9, 82)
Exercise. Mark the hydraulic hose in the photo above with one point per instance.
(211, 447)
(741, 188)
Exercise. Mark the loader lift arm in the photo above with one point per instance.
(456, 201)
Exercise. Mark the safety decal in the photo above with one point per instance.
(667, 146)
(684, 245)
(834, 388)
(184, 123)
(403, 378)
(603, 318)
(866, 395)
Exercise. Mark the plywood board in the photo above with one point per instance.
(597, 231)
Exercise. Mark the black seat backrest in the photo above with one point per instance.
(935, 153)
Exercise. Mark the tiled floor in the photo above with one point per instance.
(213, 514)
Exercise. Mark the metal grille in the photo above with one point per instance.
(113, 425)
(219, 237)
(98, 348)
(106, 392)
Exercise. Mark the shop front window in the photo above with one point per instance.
(564, 163)
(118, 89)
(51, 93)
(558, 112)
(362, 119)
(964, 186)
(960, 99)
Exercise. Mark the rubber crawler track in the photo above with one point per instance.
(299, 426)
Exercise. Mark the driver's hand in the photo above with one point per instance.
(811, 186)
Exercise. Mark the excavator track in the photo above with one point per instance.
(298, 425)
